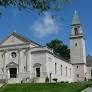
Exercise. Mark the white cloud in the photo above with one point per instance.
(45, 26)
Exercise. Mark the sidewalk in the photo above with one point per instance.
(87, 90)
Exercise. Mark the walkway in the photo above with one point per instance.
(87, 90)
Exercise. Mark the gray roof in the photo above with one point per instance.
(89, 60)
(76, 19)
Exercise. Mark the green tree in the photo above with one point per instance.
(39, 5)
(59, 48)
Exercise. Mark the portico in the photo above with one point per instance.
(12, 70)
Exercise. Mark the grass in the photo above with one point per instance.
(42, 87)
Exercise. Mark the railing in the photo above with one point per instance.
(72, 35)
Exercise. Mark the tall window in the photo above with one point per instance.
(77, 66)
(61, 70)
(24, 68)
(77, 75)
(75, 44)
(66, 70)
(37, 72)
(76, 31)
(70, 72)
(55, 68)
(91, 73)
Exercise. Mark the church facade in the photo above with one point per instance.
(22, 60)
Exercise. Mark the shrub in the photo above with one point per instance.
(89, 79)
(62, 82)
(66, 82)
(47, 80)
(55, 79)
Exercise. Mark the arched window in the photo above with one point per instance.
(61, 70)
(66, 70)
(55, 68)
(24, 68)
(70, 72)
(77, 66)
(76, 31)
(75, 44)
(37, 72)
(37, 67)
(91, 73)
(77, 75)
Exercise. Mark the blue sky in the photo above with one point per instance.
(44, 28)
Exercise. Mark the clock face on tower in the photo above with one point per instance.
(13, 54)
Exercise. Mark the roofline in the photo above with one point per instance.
(51, 52)
(75, 24)
(78, 63)
(22, 36)
(27, 38)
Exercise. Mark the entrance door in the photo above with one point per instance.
(13, 72)
(37, 72)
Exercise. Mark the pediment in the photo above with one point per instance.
(13, 39)
(37, 65)
(12, 64)
(16, 39)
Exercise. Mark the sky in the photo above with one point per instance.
(43, 28)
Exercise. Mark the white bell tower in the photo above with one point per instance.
(77, 49)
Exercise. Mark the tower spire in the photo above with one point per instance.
(77, 49)
(76, 19)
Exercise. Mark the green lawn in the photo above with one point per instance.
(64, 87)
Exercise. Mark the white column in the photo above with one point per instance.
(28, 61)
(19, 61)
(26, 55)
(4, 58)
(17, 72)
(8, 74)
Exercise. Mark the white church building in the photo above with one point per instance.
(22, 60)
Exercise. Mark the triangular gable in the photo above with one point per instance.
(14, 39)
(12, 64)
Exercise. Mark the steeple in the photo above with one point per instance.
(76, 19)
(77, 49)
(76, 27)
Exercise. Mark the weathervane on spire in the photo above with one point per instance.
(75, 12)
(15, 30)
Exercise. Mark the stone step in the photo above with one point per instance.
(13, 81)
